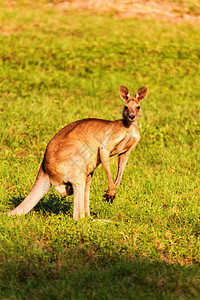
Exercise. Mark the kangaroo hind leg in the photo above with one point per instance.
(79, 194)
(87, 194)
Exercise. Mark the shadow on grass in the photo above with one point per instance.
(76, 275)
(52, 203)
(65, 266)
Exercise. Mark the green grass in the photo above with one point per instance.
(57, 67)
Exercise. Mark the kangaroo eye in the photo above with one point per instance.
(138, 107)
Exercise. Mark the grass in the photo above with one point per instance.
(57, 67)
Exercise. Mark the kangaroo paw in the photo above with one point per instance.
(109, 196)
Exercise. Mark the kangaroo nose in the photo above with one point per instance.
(132, 117)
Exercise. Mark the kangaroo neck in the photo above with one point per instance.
(128, 124)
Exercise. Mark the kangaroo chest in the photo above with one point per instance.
(124, 145)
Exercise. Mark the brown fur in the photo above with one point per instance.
(76, 150)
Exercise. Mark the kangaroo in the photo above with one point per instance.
(75, 151)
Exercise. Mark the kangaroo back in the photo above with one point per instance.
(39, 189)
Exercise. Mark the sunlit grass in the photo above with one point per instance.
(57, 67)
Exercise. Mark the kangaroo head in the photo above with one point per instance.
(132, 109)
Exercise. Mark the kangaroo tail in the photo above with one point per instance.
(39, 189)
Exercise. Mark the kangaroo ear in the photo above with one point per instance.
(124, 93)
(141, 93)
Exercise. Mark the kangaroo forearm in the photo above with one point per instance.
(111, 184)
(104, 154)
(122, 161)
(118, 178)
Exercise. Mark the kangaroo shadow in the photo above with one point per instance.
(51, 203)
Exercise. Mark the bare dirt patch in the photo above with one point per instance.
(164, 10)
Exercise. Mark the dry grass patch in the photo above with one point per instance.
(164, 10)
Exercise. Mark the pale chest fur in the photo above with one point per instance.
(128, 142)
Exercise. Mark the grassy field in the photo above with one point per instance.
(59, 66)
